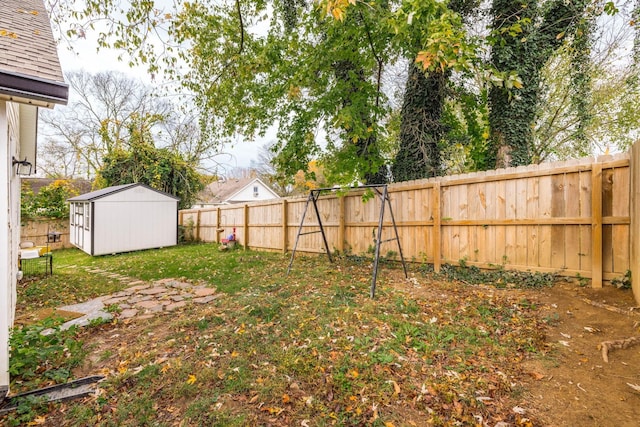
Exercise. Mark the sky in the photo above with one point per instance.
(84, 57)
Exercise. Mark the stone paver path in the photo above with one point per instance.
(141, 299)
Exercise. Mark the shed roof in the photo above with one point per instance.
(88, 197)
(29, 65)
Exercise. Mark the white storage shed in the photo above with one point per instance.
(123, 218)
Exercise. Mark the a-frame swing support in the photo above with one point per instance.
(383, 195)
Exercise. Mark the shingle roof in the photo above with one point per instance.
(222, 190)
(27, 45)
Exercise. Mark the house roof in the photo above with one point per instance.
(221, 191)
(88, 197)
(29, 66)
(35, 184)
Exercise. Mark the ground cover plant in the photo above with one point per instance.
(306, 349)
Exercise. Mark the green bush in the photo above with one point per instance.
(50, 202)
(37, 357)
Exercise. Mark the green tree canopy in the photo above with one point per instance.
(316, 70)
(50, 202)
(159, 168)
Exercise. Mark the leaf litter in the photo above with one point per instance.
(313, 349)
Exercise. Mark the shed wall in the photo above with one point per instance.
(122, 226)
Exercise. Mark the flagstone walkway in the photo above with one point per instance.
(140, 299)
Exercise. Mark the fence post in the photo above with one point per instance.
(435, 200)
(634, 228)
(285, 230)
(218, 224)
(198, 225)
(246, 227)
(341, 224)
(596, 225)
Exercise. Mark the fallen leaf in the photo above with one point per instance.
(192, 379)
(536, 375)
(38, 420)
(272, 410)
(396, 387)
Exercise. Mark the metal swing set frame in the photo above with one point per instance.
(382, 194)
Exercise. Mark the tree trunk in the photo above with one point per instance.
(512, 112)
(420, 128)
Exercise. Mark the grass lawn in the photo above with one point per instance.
(310, 349)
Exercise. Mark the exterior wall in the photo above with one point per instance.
(10, 215)
(247, 193)
(122, 226)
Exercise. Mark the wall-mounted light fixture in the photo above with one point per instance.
(23, 167)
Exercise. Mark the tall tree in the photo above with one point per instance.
(589, 96)
(421, 127)
(248, 69)
(141, 161)
(96, 122)
(525, 34)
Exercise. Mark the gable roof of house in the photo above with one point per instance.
(221, 191)
(94, 195)
(29, 66)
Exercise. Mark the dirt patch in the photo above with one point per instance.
(46, 313)
(572, 385)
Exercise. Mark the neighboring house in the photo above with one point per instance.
(230, 191)
(80, 185)
(30, 77)
(123, 218)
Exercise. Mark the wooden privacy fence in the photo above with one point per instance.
(36, 231)
(570, 217)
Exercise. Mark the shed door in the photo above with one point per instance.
(79, 222)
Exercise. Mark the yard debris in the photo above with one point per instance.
(609, 307)
(636, 387)
(606, 346)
